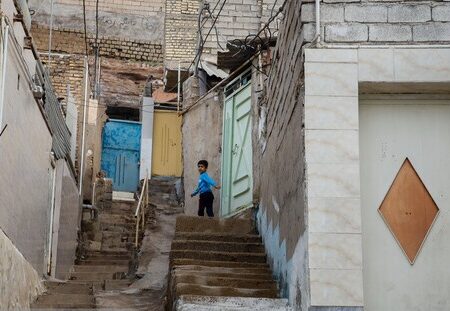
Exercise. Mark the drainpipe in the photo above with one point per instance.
(179, 87)
(83, 137)
(317, 21)
(4, 59)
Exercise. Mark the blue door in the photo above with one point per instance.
(121, 153)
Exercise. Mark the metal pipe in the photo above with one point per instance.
(179, 86)
(50, 35)
(83, 137)
(4, 60)
(317, 21)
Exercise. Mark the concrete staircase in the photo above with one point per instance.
(220, 265)
(104, 266)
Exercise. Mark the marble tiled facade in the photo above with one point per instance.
(332, 80)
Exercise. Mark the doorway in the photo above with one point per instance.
(237, 166)
(121, 154)
(406, 140)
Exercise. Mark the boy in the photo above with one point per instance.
(204, 188)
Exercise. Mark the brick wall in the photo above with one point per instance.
(180, 25)
(237, 20)
(72, 42)
(278, 152)
(379, 21)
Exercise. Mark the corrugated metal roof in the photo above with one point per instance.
(212, 70)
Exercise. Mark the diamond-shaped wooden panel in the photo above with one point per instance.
(409, 210)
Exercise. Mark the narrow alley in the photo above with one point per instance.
(109, 272)
(225, 155)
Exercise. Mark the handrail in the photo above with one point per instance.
(140, 210)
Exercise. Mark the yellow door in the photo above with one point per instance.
(166, 159)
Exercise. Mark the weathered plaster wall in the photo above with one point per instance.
(66, 221)
(279, 154)
(135, 20)
(202, 140)
(20, 284)
(25, 167)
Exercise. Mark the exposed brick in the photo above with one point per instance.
(441, 13)
(346, 33)
(390, 33)
(431, 32)
(413, 13)
(366, 13)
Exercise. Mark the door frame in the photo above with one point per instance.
(233, 88)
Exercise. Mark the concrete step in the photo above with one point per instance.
(117, 235)
(59, 300)
(118, 227)
(203, 303)
(117, 284)
(109, 255)
(103, 262)
(219, 237)
(215, 225)
(202, 290)
(96, 276)
(68, 288)
(263, 269)
(63, 306)
(116, 218)
(218, 246)
(266, 275)
(102, 269)
(219, 256)
(213, 263)
(238, 282)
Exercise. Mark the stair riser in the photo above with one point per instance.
(101, 269)
(96, 276)
(210, 263)
(68, 288)
(217, 238)
(218, 247)
(240, 257)
(250, 276)
(226, 282)
(104, 262)
(190, 289)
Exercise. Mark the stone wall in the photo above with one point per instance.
(278, 146)
(20, 284)
(202, 140)
(379, 21)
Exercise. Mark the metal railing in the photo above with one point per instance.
(140, 210)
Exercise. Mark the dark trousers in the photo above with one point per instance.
(206, 201)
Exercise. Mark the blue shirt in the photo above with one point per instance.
(204, 184)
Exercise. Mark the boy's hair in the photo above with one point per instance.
(203, 162)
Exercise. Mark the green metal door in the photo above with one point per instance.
(237, 168)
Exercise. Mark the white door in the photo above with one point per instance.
(391, 131)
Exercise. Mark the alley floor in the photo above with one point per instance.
(114, 276)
